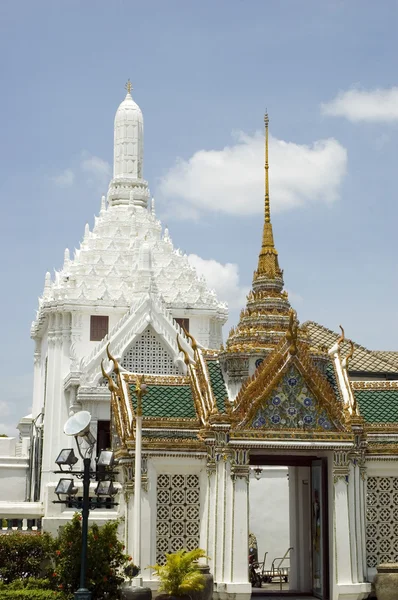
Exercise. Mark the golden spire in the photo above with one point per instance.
(266, 167)
(128, 86)
(268, 260)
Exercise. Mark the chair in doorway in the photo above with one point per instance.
(280, 569)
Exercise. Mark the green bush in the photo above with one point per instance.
(31, 594)
(105, 559)
(24, 555)
(30, 583)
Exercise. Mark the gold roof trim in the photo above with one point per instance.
(375, 385)
(158, 379)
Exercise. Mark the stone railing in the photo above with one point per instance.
(24, 525)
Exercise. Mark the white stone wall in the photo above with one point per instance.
(13, 469)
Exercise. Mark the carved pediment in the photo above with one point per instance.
(292, 405)
(289, 392)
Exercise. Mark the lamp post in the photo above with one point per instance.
(140, 391)
(66, 487)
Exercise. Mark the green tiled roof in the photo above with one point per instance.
(378, 406)
(166, 401)
(217, 383)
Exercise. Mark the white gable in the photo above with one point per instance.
(147, 354)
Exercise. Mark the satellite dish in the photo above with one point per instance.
(78, 424)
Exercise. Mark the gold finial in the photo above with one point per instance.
(266, 167)
(128, 86)
(268, 259)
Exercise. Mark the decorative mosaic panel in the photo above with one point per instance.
(178, 514)
(147, 355)
(292, 405)
(381, 520)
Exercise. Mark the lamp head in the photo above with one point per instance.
(66, 458)
(65, 487)
(106, 459)
(105, 488)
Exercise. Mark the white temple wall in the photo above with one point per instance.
(84, 346)
(13, 470)
(269, 512)
(382, 494)
(153, 501)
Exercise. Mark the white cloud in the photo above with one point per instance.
(232, 180)
(99, 170)
(9, 430)
(224, 279)
(379, 105)
(4, 408)
(64, 179)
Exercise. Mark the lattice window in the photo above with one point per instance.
(178, 514)
(147, 355)
(382, 520)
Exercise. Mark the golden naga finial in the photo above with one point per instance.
(350, 354)
(111, 384)
(113, 359)
(181, 349)
(190, 337)
(141, 389)
(128, 86)
(342, 337)
(292, 332)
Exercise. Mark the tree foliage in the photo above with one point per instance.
(25, 555)
(105, 559)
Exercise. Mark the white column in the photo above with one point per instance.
(239, 584)
(341, 518)
(211, 509)
(345, 538)
(37, 404)
(362, 524)
(220, 519)
(294, 520)
(50, 437)
(352, 523)
(228, 529)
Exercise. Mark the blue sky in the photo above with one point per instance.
(203, 74)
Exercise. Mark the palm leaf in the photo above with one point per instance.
(180, 574)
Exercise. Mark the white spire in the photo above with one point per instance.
(128, 185)
(66, 259)
(103, 204)
(47, 286)
(129, 140)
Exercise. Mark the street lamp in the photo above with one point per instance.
(78, 426)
